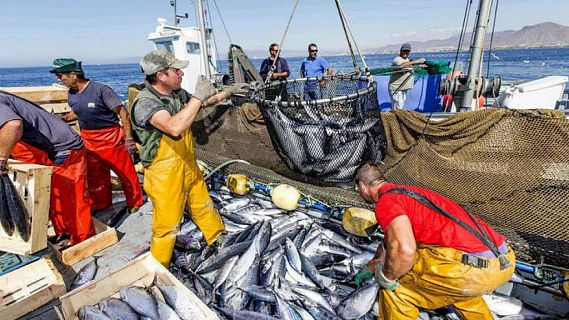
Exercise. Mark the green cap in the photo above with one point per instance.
(158, 60)
(65, 65)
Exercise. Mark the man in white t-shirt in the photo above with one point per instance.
(402, 81)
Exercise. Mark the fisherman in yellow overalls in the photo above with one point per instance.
(162, 114)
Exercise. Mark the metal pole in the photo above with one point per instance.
(476, 53)
(175, 14)
(203, 46)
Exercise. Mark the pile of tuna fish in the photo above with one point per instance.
(275, 263)
(156, 302)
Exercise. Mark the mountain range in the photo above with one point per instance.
(546, 34)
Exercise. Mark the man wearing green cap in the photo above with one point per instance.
(109, 147)
(162, 114)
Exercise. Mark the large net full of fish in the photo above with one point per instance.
(328, 138)
(276, 264)
(13, 213)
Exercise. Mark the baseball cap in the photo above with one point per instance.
(158, 60)
(65, 65)
(405, 47)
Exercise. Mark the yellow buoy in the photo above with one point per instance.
(359, 221)
(285, 197)
(238, 184)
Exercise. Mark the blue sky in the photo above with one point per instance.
(34, 32)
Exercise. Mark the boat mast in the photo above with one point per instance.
(476, 52)
(203, 42)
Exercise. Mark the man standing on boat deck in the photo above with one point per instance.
(434, 254)
(31, 134)
(402, 80)
(279, 73)
(314, 66)
(108, 146)
(162, 114)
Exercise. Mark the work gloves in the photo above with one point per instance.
(239, 89)
(3, 166)
(366, 274)
(130, 146)
(204, 89)
(383, 281)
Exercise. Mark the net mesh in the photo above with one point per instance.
(508, 167)
(324, 128)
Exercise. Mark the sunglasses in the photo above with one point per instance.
(313, 50)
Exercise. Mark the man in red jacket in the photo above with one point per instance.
(435, 253)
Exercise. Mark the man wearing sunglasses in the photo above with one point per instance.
(402, 80)
(314, 66)
(275, 71)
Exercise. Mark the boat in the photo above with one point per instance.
(241, 131)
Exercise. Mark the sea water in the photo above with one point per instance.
(514, 64)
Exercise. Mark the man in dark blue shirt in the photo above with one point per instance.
(313, 66)
(33, 135)
(275, 71)
(109, 147)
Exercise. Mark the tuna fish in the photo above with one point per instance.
(85, 274)
(141, 301)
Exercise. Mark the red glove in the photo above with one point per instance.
(130, 146)
(3, 166)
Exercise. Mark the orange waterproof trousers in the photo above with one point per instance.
(69, 202)
(106, 151)
(438, 279)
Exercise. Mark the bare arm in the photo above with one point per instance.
(10, 133)
(174, 126)
(69, 117)
(411, 63)
(125, 121)
(400, 247)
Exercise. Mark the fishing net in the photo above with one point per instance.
(323, 128)
(430, 67)
(511, 168)
(508, 167)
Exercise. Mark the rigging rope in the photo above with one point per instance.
(492, 39)
(222, 21)
(269, 75)
(462, 32)
(344, 19)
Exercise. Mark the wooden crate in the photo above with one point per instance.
(33, 183)
(53, 99)
(142, 271)
(29, 287)
(105, 237)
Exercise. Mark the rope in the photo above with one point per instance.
(462, 33)
(342, 19)
(222, 21)
(492, 39)
(269, 75)
(352, 35)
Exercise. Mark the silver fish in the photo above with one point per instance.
(117, 309)
(166, 313)
(140, 300)
(85, 274)
(92, 313)
(178, 301)
(359, 302)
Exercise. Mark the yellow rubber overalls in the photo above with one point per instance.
(173, 181)
(438, 279)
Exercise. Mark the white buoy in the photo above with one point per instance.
(285, 197)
